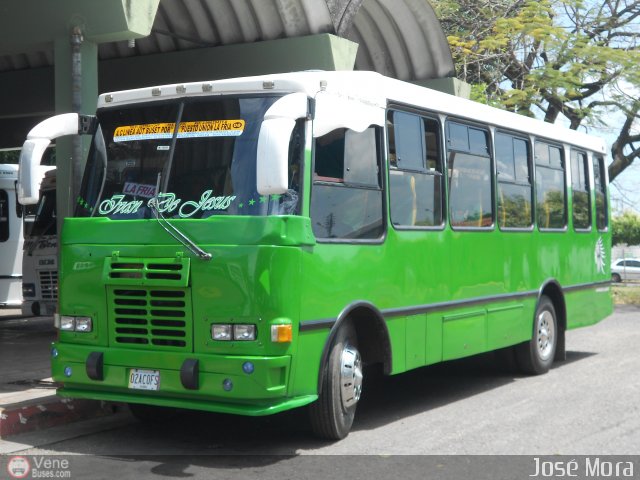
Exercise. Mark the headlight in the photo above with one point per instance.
(28, 289)
(221, 332)
(67, 323)
(244, 332)
(84, 324)
(227, 332)
(76, 324)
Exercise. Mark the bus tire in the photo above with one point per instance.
(332, 414)
(536, 356)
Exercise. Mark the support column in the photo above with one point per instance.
(66, 176)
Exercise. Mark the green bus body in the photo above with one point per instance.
(415, 297)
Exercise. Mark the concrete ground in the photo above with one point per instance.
(27, 393)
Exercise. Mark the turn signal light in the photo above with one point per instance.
(281, 333)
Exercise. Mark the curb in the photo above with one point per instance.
(49, 411)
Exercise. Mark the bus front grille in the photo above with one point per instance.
(150, 318)
(48, 284)
(147, 272)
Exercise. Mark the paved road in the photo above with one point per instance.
(586, 405)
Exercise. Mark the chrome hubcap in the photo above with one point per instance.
(350, 376)
(546, 334)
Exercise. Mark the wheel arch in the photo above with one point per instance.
(372, 333)
(553, 290)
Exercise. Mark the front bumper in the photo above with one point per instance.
(262, 392)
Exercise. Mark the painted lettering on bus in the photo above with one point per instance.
(206, 203)
(167, 203)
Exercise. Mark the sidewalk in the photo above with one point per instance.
(27, 393)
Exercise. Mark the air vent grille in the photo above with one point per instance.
(151, 318)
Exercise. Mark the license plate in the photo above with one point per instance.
(144, 379)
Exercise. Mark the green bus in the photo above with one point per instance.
(245, 246)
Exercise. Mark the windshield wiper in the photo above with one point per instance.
(173, 230)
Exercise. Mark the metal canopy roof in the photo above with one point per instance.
(398, 38)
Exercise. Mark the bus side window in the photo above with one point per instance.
(329, 157)
(4, 216)
(601, 193)
(514, 181)
(415, 173)
(470, 179)
(346, 197)
(581, 196)
(550, 187)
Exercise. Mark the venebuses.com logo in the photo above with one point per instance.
(18, 467)
(38, 467)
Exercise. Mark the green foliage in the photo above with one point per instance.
(9, 156)
(576, 59)
(626, 229)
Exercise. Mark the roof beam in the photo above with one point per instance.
(313, 52)
(28, 25)
(316, 52)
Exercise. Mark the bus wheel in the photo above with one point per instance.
(536, 356)
(332, 414)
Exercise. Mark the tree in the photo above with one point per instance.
(626, 229)
(576, 59)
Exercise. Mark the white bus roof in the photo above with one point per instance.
(369, 87)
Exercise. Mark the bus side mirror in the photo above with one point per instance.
(38, 139)
(29, 175)
(272, 176)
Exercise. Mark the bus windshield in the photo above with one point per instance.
(44, 222)
(207, 167)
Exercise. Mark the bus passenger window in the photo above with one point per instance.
(415, 173)
(581, 196)
(514, 182)
(470, 184)
(346, 197)
(329, 157)
(550, 187)
(601, 193)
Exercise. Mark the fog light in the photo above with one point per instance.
(227, 384)
(281, 333)
(84, 324)
(221, 332)
(67, 371)
(244, 332)
(248, 368)
(54, 352)
(67, 323)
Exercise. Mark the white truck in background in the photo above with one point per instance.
(40, 253)
(10, 238)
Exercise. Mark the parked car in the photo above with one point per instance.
(625, 269)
